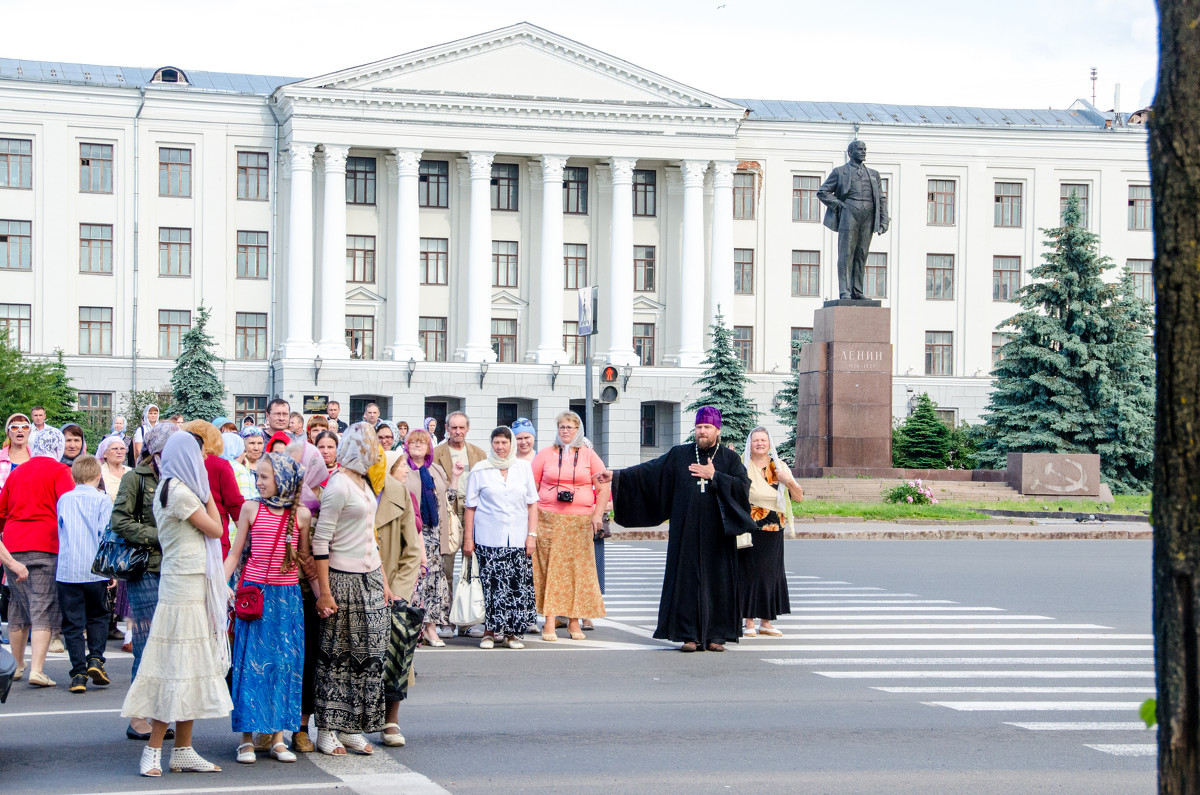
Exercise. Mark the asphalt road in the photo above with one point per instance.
(907, 666)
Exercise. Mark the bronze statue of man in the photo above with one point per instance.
(855, 207)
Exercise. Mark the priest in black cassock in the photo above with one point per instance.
(703, 489)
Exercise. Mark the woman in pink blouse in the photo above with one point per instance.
(570, 511)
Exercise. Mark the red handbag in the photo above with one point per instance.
(248, 599)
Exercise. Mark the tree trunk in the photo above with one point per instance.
(1175, 172)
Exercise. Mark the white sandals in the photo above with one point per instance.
(281, 753)
(356, 743)
(328, 743)
(151, 762)
(245, 754)
(392, 740)
(186, 760)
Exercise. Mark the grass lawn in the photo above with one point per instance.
(1123, 503)
(885, 511)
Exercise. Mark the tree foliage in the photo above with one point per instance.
(134, 403)
(723, 386)
(922, 441)
(787, 399)
(28, 381)
(197, 391)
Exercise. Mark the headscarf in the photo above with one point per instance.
(234, 446)
(523, 425)
(156, 440)
(278, 436)
(219, 421)
(8, 423)
(391, 457)
(252, 430)
(395, 432)
(146, 417)
(102, 448)
(578, 439)
(288, 478)
(377, 474)
(213, 444)
(314, 473)
(494, 461)
(82, 447)
(358, 449)
(783, 501)
(425, 424)
(49, 442)
(709, 416)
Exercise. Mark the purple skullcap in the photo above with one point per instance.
(709, 416)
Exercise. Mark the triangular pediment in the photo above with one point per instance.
(507, 300)
(522, 61)
(363, 294)
(643, 304)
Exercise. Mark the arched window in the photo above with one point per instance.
(170, 74)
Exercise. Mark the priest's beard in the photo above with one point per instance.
(711, 449)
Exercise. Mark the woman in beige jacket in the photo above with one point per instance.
(429, 485)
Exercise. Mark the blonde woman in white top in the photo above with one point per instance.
(111, 453)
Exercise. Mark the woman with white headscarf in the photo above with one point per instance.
(149, 420)
(111, 453)
(762, 582)
(187, 653)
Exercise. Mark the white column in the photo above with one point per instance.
(550, 283)
(721, 254)
(404, 282)
(298, 305)
(479, 262)
(331, 326)
(691, 266)
(620, 272)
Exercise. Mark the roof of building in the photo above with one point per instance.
(1080, 114)
(137, 76)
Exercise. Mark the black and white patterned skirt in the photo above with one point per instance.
(348, 685)
(507, 576)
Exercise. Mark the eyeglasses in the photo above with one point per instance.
(18, 426)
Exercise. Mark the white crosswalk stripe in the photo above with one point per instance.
(868, 634)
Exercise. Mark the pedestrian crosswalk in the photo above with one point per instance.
(946, 655)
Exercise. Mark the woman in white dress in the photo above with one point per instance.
(182, 674)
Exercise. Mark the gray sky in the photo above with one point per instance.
(1017, 54)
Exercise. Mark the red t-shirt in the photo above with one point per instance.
(29, 504)
(226, 494)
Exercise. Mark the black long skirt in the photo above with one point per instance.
(762, 582)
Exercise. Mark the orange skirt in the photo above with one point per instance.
(564, 570)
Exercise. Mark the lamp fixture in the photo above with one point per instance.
(317, 369)
(554, 370)
(626, 372)
(483, 366)
(412, 368)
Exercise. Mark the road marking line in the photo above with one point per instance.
(55, 712)
(758, 648)
(306, 785)
(1129, 749)
(376, 774)
(964, 635)
(786, 618)
(871, 609)
(804, 627)
(1036, 706)
(964, 661)
(852, 598)
(985, 674)
(878, 602)
(1081, 726)
(1091, 690)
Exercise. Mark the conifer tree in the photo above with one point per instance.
(62, 403)
(723, 386)
(1052, 388)
(786, 410)
(198, 392)
(922, 441)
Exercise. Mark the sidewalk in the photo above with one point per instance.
(845, 527)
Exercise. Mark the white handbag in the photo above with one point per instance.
(467, 607)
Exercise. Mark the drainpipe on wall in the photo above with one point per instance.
(134, 340)
(271, 358)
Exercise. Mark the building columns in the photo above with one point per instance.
(691, 287)
(478, 346)
(721, 253)
(550, 283)
(404, 261)
(620, 272)
(298, 305)
(331, 322)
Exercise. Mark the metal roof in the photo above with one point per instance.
(137, 76)
(921, 115)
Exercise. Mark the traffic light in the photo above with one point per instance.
(608, 379)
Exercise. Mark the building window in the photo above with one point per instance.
(95, 168)
(998, 342)
(253, 170)
(504, 263)
(575, 190)
(252, 406)
(802, 335)
(433, 183)
(743, 345)
(575, 265)
(360, 259)
(174, 251)
(805, 205)
(504, 339)
(360, 336)
(643, 343)
(643, 269)
(743, 271)
(250, 335)
(435, 260)
(360, 180)
(941, 202)
(98, 408)
(14, 318)
(16, 163)
(649, 425)
(504, 186)
(172, 325)
(1080, 189)
(1139, 207)
(573, 344)
(939, 353)
(644, 182)
(95, 248)
(1143, 278)
(1008, 204)
(174, 172)
(939, 276)
(883, 188)
(875, 276)
(1006, 278)
(743, 196)
(16, 245)
(251, 255)
(95, 330)
(806, 273)
(432, 334)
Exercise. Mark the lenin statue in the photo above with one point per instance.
(855, 207)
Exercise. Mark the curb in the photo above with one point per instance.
(1103, 517)
(869, 531)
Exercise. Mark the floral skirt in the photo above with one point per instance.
(432, 593)
(268, 663)
(762, 581)
(564, 572)
(348, 689)
(507, 577)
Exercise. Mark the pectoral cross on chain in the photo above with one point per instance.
(703, 482)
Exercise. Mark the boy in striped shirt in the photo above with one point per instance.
(83, 519)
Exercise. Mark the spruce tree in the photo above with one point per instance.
(197, 391)
(786, 410)
(723, 386)
(1052, 387)
(923, 440)
(62, 403)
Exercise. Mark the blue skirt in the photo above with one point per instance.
(268, 663)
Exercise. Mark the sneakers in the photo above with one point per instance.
(78, 683)
(445, 632)
(97, 673)
(474, 632)
(39, 679)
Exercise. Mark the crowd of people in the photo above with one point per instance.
(287, 570)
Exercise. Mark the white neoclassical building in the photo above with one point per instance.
(415, 231)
